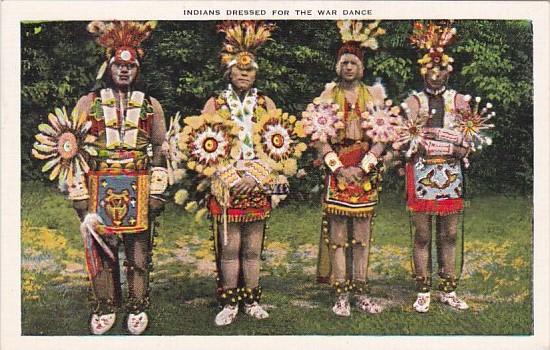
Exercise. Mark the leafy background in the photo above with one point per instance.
(493, 59)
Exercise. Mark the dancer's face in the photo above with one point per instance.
(351, 68)
(436, 78)
(123, 75)
(243, 79)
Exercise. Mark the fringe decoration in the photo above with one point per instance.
(352, 212)
(442, 212)
(242, 218)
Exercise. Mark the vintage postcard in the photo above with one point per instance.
(197, 173)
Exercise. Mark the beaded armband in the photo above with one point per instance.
(449, 136)
(332, 161)
(438, 148)
(159, 180)
(77, 188)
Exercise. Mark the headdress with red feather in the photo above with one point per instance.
(242, 39)
(433, 39)
(121, 40)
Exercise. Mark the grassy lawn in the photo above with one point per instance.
(496, 280)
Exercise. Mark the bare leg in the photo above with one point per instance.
(361, 247)
(252, 245)
(137, 254)
(106, 284)
(421, 250)
(338, 238)
(446, 236)
(229, 255)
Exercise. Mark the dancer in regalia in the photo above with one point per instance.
(438, 149)
(111, 167)
(239, 223)
(352, 160)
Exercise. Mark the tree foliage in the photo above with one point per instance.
(493, 59)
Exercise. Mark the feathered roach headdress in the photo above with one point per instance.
(433, 39)
(356, 37)
(242, 39)
(121, 40)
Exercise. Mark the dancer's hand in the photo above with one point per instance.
(245, 185)
(156, 205)
(81, 208)
(351, 174)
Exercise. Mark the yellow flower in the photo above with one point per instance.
(395, 110)
(277, 166)
(425, 59)
(194, 122)
(380, 31)
(200, 214)
(213, 118)
(191, 164)
(209, 171)
(301, 147)
(181, 196)
(191, 206)
(224, 114)
(292, 119)
(290, 167)
(299, 129)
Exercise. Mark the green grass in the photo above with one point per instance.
(496, 280)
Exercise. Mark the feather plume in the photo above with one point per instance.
(243, 37)
(431, 35)
(356, 31)
(121, 34)
(433, 38)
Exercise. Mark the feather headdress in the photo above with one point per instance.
(121, 40)
(356, 36)
(242, 39)
(433, 39)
